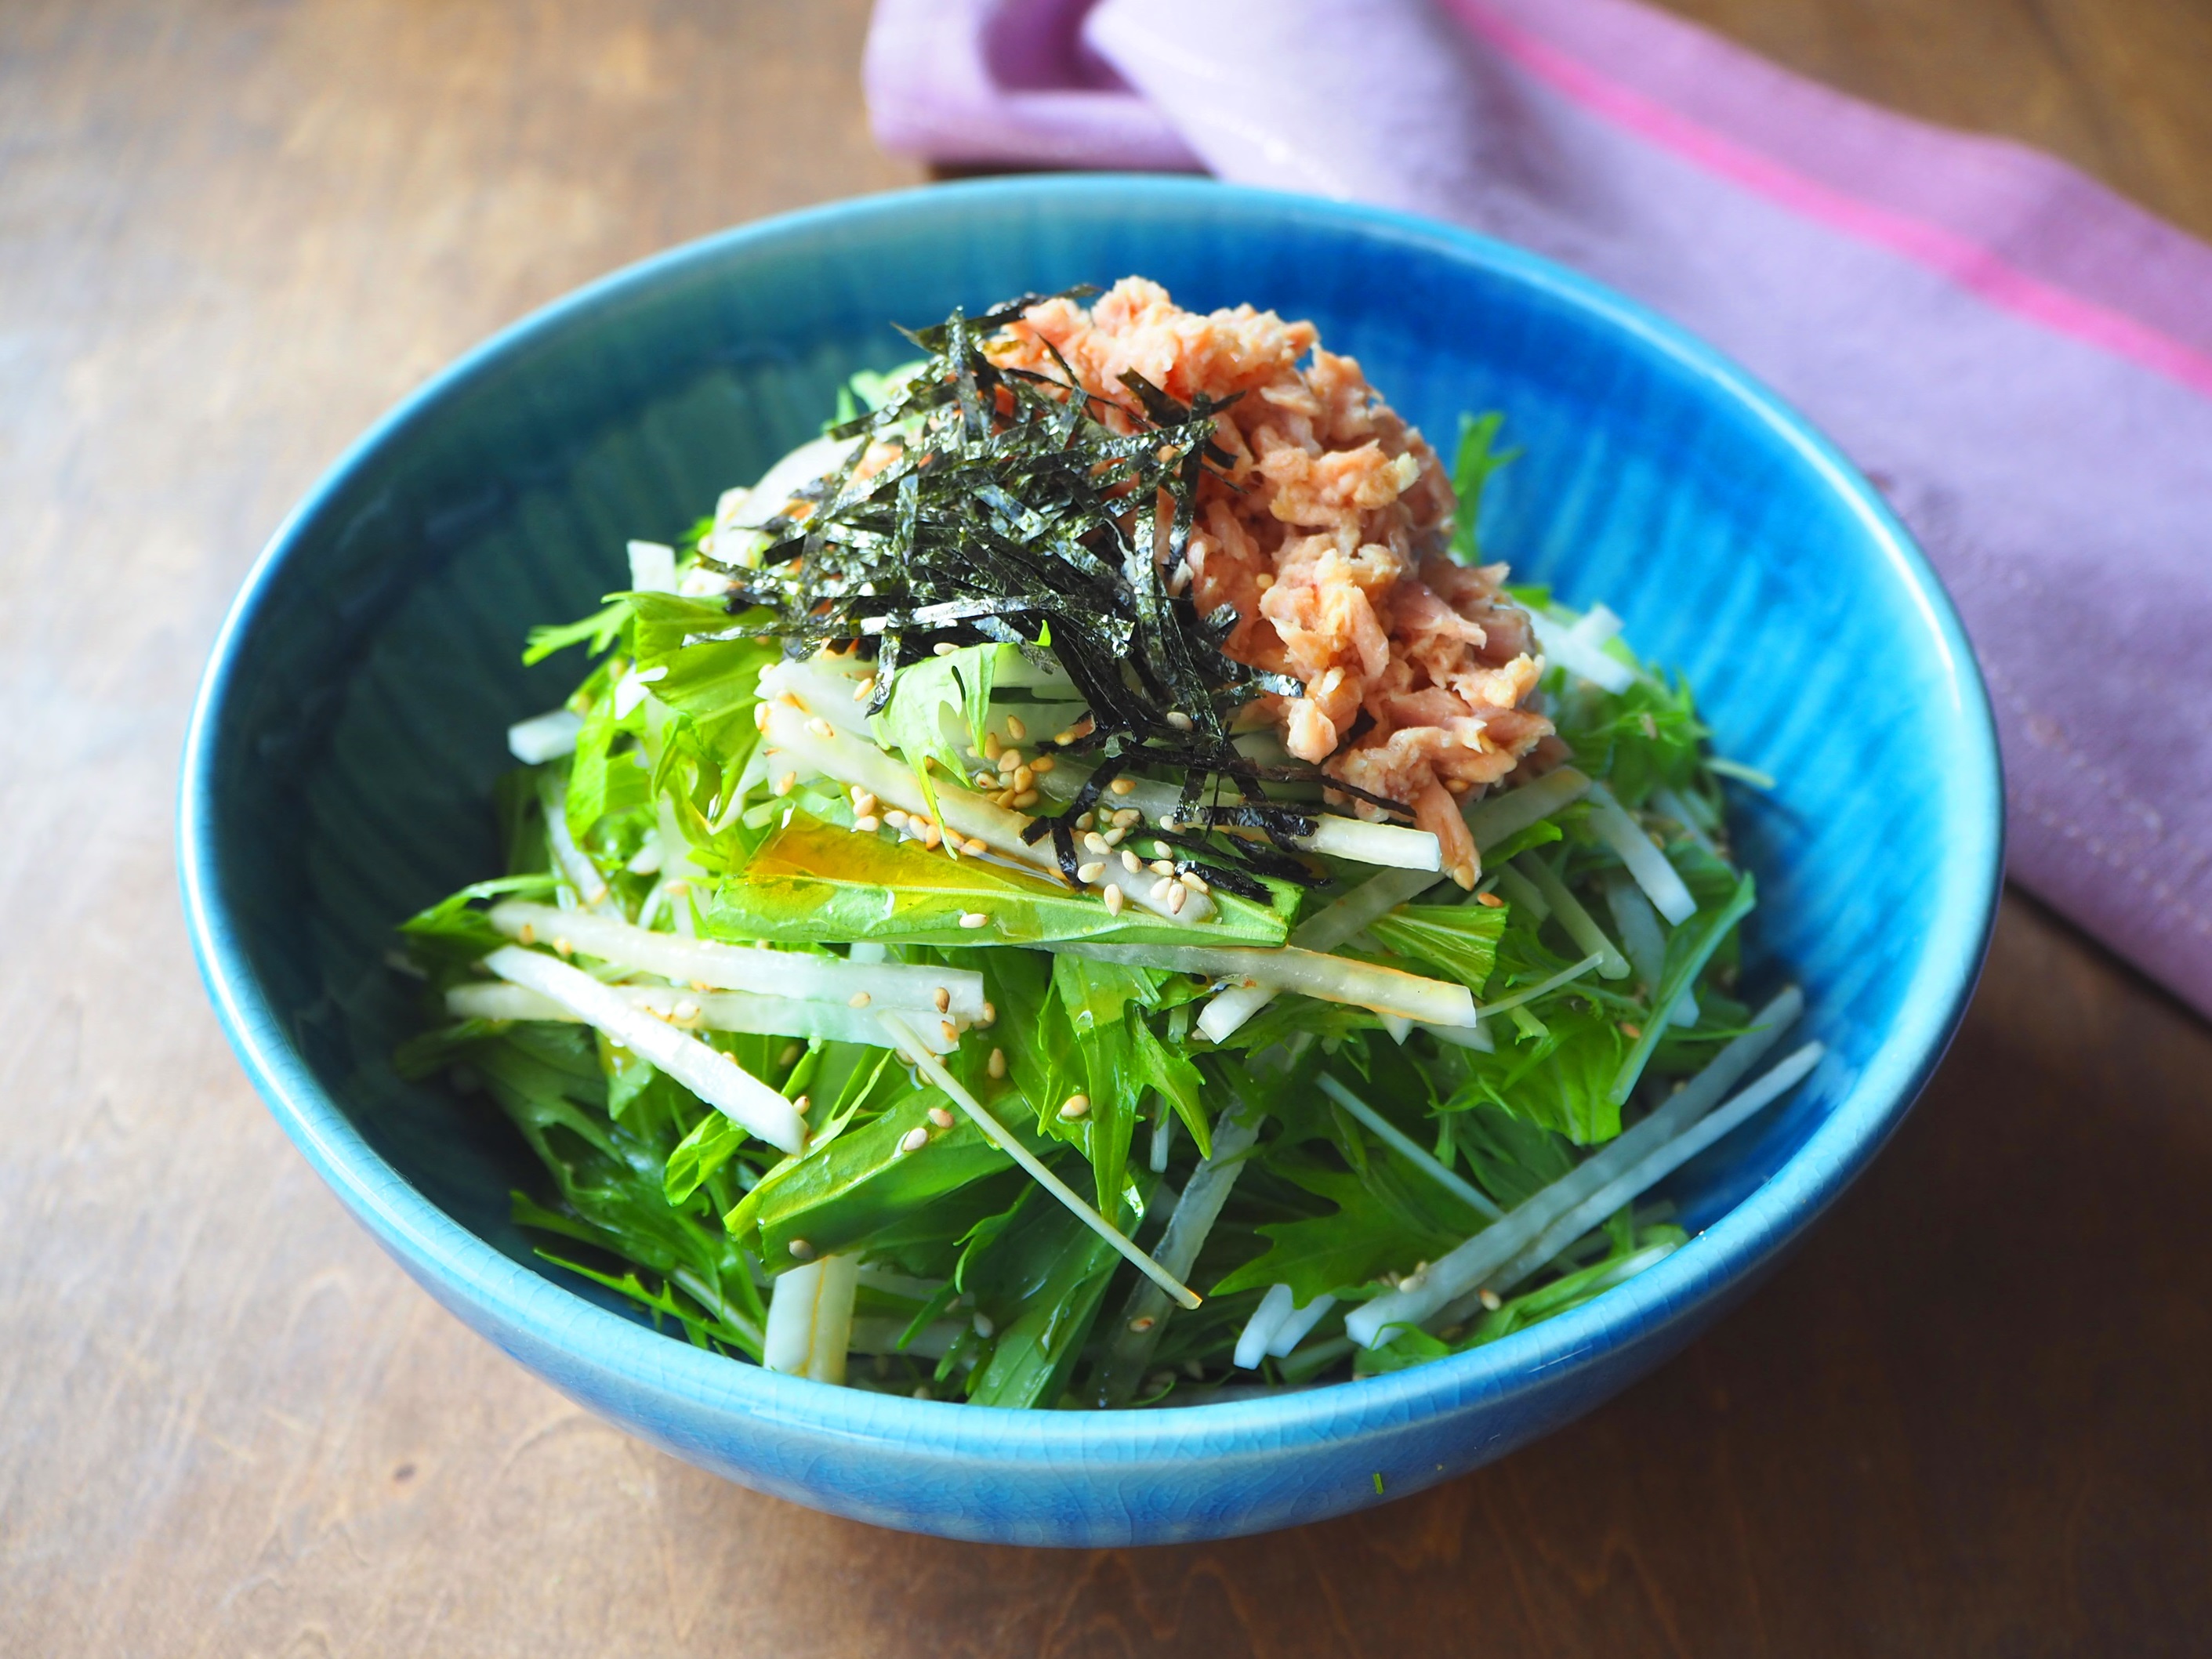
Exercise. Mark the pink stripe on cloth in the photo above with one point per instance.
(2022, 230)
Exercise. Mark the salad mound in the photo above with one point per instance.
(1081, 889)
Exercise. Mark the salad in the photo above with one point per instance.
(1081, 889)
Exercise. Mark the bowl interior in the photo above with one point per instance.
(355, 723)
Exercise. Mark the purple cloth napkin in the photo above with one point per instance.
(2020, 359)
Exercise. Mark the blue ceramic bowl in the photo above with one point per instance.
(350, 725)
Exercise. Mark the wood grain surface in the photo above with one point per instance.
(1974, 1415)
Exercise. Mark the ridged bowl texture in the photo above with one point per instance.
(338, 767)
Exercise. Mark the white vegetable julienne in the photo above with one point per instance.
(1405, 1146)
(1326, 930)
(651, 567)
(1568, 649)
(1657, 1165)
(1145, 1312)
(1521, 892)
(809, 1318)
(1391, 845)
(575, 864)
(744, 966)
(1678, 807)
(1492, 820)
(995, 1132)
(1308, 973)
(744, 1012)
(1581, 925)
(1653, 873)
(1259, 1335)
(712, 1076)
(1641, 939)
(545, 736)
(853, 761)
(1297, 1325)
(1469, 1265)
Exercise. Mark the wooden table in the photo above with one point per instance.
(1974, 1415)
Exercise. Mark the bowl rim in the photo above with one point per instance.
(441, 1253)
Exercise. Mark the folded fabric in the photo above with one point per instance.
(2019, 358)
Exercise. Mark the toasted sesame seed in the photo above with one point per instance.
(1178, 896)
(1169, 825)
(685, 1009)
(1008, 759)
(1142, 1324)
(791, 1052)
(949, 1032)
(1025, 777)
(1075, 1107)
(1650, 726)
(1195, 882)
(945, 648)
(943, 999)
(867, 823)
(1042, 764)
(895, 818)
(983, 1324)
(562, 947)
(1015, 729)
(1115, 901)
(1178, 720)
(859, 1000)
(864, 802)
(865, 689)
(1123, 785)
(1063, 739)
(1161, 866)
(1157, 892)
(941, 1117)
(1130, 861)
(1089, 872)
(930, 834)
(996, 1066)
(526, 934)
(1026, 800)
(677, 890)
(786, 784)
(990, 1014)
(800, 1250)
(1128, 818)
(1489, 1299)
(821, 728)
(1632, 1032)
(1095, 842)
(1113, 837)
(983, 780)
(973, 919)
(1087, 821)
(760, 717)
(1004, 797)
(1490, 900)
(914, 1141)
(992, 747)
(973, 848)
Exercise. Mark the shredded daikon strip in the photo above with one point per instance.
(1308, 973)
(809, 1318)
(1653, 873)
(651, 567)
(712, 1076)
(545, 736)
(1470, 1265)
(1259, 1335)
(1566, 647)
(1581, 925)
(1298, 1325)
(785, 973)
(745, 1011)
(1645, 944)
